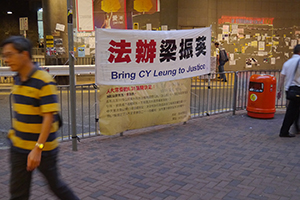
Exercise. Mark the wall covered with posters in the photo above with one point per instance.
(270, 45)
(254, 43)
(258, 35)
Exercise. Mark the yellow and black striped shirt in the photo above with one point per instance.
(31, 99)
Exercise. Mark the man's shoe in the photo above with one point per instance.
(288, 135)
(224, 80)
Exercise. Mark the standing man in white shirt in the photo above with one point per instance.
(290, 76)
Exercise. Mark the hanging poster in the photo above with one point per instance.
(84, 14)
(225, 29)
(110, 14)
(134, 57)
(261, 46)
(81, 51)
(137, 106)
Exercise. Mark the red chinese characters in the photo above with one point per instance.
(129, 88)
(122, 49)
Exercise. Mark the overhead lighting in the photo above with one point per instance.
(9, 12)
(41, 10)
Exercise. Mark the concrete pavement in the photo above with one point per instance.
(217, 157)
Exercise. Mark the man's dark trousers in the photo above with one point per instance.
(20, 179)
(291, 115)
(221, 70)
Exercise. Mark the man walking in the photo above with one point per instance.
(290, 72)
(33, 134)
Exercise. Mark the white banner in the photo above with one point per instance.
(85, 15)
(135, 57)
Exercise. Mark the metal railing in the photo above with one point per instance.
(64, 60)
(242, 86)
(6, 79)
(86, 111)
(59, 60)
(209, 95)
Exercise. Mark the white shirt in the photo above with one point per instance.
(288, 69)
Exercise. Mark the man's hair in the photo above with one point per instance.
(297, 49)
(19, 43)
(216, 43)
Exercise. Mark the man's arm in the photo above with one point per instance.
(34, 157)
(280, 85)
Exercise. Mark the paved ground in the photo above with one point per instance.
(218, 157)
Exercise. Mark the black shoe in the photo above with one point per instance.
(288, 135)
(224, 80)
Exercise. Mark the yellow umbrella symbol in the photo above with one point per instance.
(142, 5)
(110, 5)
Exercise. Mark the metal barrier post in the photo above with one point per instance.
(96, 111)
(72, 74)
(234, 92)
(208, 95)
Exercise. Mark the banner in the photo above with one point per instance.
(136, 57)
(137, 106)
(85, 17)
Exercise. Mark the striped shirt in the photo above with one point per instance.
(32, 98)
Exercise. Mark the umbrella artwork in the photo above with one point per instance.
(110, 6)
(142, 5)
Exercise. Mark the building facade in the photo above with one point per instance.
(257, 34)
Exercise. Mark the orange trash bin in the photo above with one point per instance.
(262, 96)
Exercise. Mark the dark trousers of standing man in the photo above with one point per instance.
(297, 118)
(292, 113)
(20, 179)
(221, 71)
